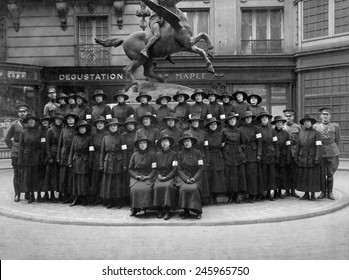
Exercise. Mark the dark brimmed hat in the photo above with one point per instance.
(187, 135)
(232, 115)
(327, 109)
(141, 94)
(291, 111)
(259, 98)
(194, 117)
(264, 114)
(61, 95)
(278, 119)
(82, 123)
(141, 138)
(244, 94)
(120, 92)
(212, 92)
(163, 95)
(130, 120)
(212, 120)
(71, 95)
(197, 91)
(113, 121)
(58, 116)
(307, 117)
(22, 105)
(46, 118)
(75, 116)
(31, 116)
(178, 93)
(164, 136)
(170, 116)
(82, 96)
(99, 92)
(246, 114)
(100, 119)
(227, 94)
(149, 115)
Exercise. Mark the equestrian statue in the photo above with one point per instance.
(169, 33)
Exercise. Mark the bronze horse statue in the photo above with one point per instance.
(176, 36)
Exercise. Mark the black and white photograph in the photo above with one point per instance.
(205, 135)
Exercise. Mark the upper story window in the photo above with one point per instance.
(315, 18)
(341, 16)
(323, 18)
(89, 53)
(262, 31)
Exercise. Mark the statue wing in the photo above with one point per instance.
(169, 16)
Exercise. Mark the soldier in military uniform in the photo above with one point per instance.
(12, 142)
(51, 106)
(293, 130)
(330, 137)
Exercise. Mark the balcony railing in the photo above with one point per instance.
(92, 55)
(261, 46)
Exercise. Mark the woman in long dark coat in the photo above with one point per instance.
(80, 162)
(234, 158)
(182, 109)
(216, 166)
(100, 108)
(148, 129)
(165, 196)
(82, 110)
(97, 174)
(270, 153)
(113, 163)
(254, 100)
(29, 157)
(64, 144)
(190, 167)
(52, 167)
(142, 169)
(284, 144)
(308, 155)
(202, 145)
(127, 140)
(251, 140)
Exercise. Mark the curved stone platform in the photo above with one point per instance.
(221, 214)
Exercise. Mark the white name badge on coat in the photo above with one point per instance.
(91, 149)
(259, 135)
(88, 117)
(288, 143)
(154, 165)
(123, 147)
(200, 162)
(108, 116)
(319, 143)
(206, 143)
(222, 117)
(209, 116)
(174, 163)
(275, 138)
(43, 140)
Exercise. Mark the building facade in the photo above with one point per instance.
(267, 47)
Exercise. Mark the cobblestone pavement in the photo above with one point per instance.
(221, 214)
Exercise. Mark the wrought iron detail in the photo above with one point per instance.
(261, 46)
(92, 55)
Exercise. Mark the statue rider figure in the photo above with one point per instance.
(155, 23)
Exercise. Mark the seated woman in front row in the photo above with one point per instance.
(165, 189)
(190, 165)
(142, 170)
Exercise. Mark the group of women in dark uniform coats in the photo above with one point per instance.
(167, 158)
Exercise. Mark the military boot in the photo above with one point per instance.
(330, 188)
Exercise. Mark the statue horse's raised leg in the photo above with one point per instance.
(135, 63)
(202, 35)
(201, 52)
